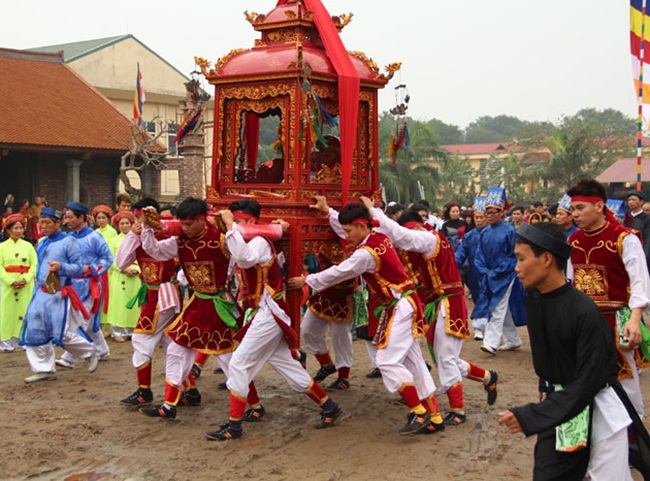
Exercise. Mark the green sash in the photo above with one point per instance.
(223, 307)
(622, 317)
(430, 311)
(572, 435)
(360, 308)
(379, 309)
(140, 296)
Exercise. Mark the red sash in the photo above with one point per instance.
(17, 269)
(77, 305)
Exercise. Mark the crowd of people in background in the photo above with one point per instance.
(73, 277)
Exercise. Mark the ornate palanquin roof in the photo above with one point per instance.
(289, 35)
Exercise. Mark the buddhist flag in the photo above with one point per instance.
(138, 98)
(639, 34)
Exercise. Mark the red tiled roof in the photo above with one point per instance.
(624, 170)
(44, 103)
(476, 149)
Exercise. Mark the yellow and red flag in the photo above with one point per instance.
(138, 99)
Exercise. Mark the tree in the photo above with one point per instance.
(446, 133)
(501, 128)
(457, 181)
(142, 151)
(415, 162)
(579, 148)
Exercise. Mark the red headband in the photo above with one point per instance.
(413, 224)
(372, 223)
(587, 198)
(238, 214)
(609, 215)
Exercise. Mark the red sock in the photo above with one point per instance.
(476, 373)
(144, 375)
(344, 372)
(324, 359)
(237, 406)
(431, 405)
(201, 358)
(410, 396)
(172, 393)
(455, 395)
(253, 399)
(316, 393)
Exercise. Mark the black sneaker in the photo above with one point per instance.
(159, 412)
(196, 371)
(191, 397)
(327, 418)
(454, 419)
(218, 371)
(324, 371)
(340, 383)
(225, 433)
(415, 423)
(374, 374)
(223, 385)
(491, 388)
(139, 398)
(431, 428)
(254, 415)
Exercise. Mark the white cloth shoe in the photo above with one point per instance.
(63, 363)
(478, 335)
(40, 376)
(92, 362)
(488, 349)
(509, 347)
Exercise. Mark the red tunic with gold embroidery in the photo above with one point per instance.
(600, 273)
(205, 261)
(154, 273)
(253, 281)
(389, 275)
(438, 279)
(334, 303)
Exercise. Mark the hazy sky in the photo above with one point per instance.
(461, 59)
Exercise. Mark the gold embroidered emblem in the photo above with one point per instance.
(200, 275)
(150, 273)
(591, 282)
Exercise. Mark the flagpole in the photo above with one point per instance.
(639, 134)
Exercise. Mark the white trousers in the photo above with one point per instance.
(479, 324)
(144, 345)
(120, 331)
(180, 359)
(451, 368)
(41, 358)
(501, 324)
(632, 386)
(372, 353)
(314, 332)
(75, 318)
(401, 361)
(265, 342)
(608, 459)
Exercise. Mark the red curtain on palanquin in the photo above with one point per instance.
(349, 84)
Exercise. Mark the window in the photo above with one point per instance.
(172, 147)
